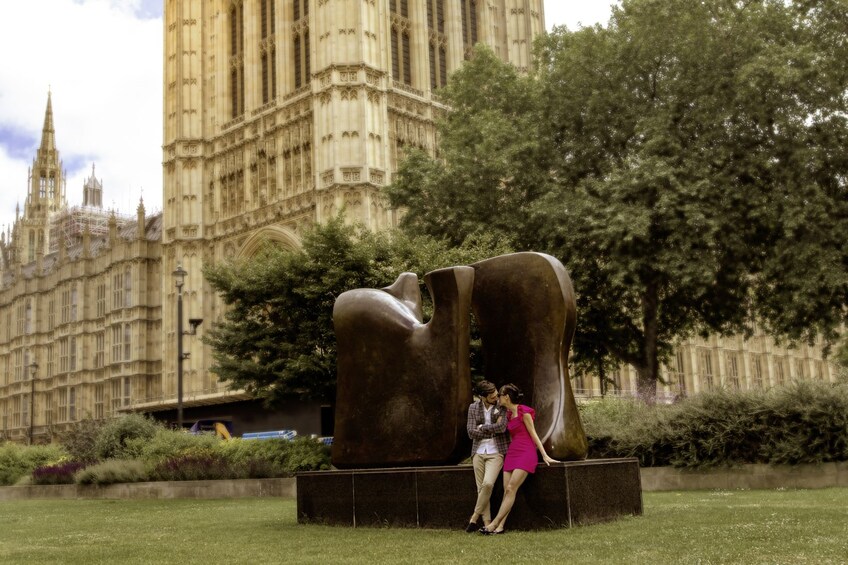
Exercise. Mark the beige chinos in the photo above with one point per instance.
(487, 469)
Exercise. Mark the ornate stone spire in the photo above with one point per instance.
(140, 220)
(92, 191)
(46, 175)
(48, 134)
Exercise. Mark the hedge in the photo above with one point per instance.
(805, 422)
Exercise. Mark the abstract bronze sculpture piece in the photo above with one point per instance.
(525, 309)
(404, 386)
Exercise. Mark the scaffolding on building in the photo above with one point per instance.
(69, 225)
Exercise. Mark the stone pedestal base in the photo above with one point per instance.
(559, 496)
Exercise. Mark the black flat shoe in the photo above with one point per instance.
(471, 527)
(485, 532)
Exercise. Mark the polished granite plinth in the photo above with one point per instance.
(559, 496)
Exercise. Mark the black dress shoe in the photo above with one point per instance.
(471, 527)
(485, 532)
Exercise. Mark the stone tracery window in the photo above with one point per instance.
(99, 396)
(401, 50)
(236, 23)
(72, 404)
(438, 43)
(117, 291)
(705, 365)
(469, 25)
(732, 362)
(72, 353)
(101, 299)
(99, 349)
(74, 296)
(300, 27)
(267, 27)
(63, 404)
(128, 298)
(66, 305)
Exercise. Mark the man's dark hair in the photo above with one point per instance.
(485, 388)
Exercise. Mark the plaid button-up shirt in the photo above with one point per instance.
(476, 417)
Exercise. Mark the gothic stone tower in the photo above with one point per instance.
(46, 195)
(282, 113)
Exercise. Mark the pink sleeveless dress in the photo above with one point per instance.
(522, 451)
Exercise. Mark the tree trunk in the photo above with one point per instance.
(646, 385)
(602, 376)
(648, 370)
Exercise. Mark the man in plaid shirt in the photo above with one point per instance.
(487, 428)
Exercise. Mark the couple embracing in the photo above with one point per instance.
(503, 435)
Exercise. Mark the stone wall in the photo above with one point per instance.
(825, 475)
(245, 488)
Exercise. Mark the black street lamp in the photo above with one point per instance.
(33, 369)
(179, 280)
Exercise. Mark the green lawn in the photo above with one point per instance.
(791, 526)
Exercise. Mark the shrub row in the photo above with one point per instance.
(806, 422)
(58, 474)
(133, 448)
(18, 461)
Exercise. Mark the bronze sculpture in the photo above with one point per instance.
(404, 386)
(525, 309)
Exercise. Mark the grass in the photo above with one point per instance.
(785, 526)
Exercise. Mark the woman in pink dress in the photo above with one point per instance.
(521, 458)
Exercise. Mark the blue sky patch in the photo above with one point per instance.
(149, 9)
(76, 163)
(18, 144)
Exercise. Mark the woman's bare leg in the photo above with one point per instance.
(512, 481)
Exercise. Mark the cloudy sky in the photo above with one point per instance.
(102, 62)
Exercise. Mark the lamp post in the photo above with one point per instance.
(33, 369)
(179, 279)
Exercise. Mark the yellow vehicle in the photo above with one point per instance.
(222, 429)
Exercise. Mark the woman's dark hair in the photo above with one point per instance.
(485, 388)
(513, 392)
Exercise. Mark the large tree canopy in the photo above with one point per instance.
(276, 337)
(687, 162)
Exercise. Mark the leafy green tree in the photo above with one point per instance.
(276, 337)
(492, 162)
(687, 163)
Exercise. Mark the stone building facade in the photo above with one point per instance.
(281, 114)
(715, 362)
(80, 307)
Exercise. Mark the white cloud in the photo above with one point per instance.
(576, 13)
(104, 68)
